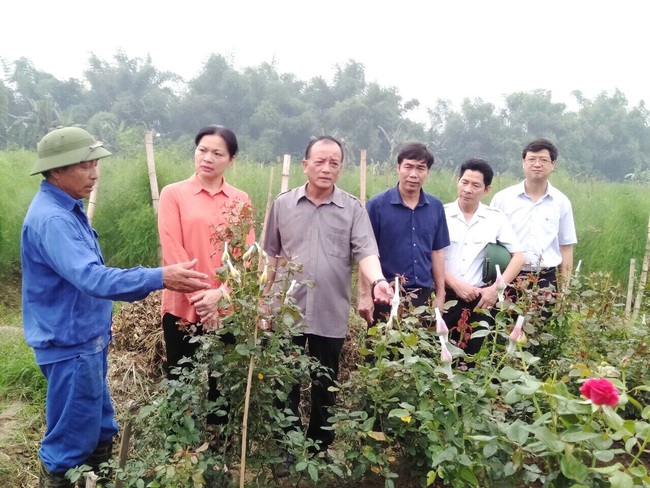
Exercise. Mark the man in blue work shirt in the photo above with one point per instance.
(411, 232)
(67, 294)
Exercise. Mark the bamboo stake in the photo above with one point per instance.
(643, 278)
(362, 197)
(242, 464)
(153, 181)
(362, 184)
(286, 166)
(90, 212)
(244, 427)
(630, 289)
(151, 164)
(268, 207)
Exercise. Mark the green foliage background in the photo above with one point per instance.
(274, 113)
(611, 218)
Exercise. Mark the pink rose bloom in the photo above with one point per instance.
(600, 391)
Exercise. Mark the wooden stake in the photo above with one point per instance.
(269, 197)
(643, 279)
(153, 180)
(286, 166)
(630, 289)
(151, 164)
(362, 184)
(362, 197)
(93, 198)
(249, 380)
(126, 439)
(124, 449)
(244, 427)
(91, 480)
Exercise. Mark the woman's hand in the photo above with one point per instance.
(206, 302)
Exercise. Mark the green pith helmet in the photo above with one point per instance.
(66, 146)
(495, 253)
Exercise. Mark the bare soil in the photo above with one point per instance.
(19, 435)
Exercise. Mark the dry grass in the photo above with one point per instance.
(137, 353)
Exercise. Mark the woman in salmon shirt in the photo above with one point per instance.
(188, 213)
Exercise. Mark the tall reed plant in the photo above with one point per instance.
(611, 218)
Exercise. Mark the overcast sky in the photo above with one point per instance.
(428, 49)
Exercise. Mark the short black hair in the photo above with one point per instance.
(225, 133)
(322, 138)
(415, 152)
(480, 165)
(539, 145)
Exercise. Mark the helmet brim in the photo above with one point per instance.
(88, 153)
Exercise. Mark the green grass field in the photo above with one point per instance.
(611, 218)
(611, 223)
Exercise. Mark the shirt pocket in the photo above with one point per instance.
(337, 242)
(481, 239)
(477, 244)
(550, 223)
(93, 243)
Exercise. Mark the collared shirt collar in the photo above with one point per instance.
(62, 197)
(454, 210)
(336, 197)
(396, 197)
(197, 187)
(550, 189)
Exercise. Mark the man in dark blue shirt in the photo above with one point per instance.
(67, 303)
(411, 233)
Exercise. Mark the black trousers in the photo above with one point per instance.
(418, 296)
(327, 351)
(543, 278)
(178, 346)
(459, 319)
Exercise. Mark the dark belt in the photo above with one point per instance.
(540, 271)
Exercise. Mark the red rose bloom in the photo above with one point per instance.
(600, 391)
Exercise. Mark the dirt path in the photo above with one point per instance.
(17, 448)
(9, 422)
(18, 443)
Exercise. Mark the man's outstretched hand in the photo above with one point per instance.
(182, 278)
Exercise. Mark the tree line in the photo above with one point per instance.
(275, 113)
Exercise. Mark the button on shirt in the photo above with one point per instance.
(325, 239)
(406, 237)
(465, 255)
(67, 289)
(541, 226)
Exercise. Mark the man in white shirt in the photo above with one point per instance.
(541, 216)
(472, 226)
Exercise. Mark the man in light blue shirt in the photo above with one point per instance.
(67, 293)
(541, 216)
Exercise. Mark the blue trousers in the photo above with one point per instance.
(78, 411)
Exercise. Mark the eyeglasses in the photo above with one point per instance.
(540, 160)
